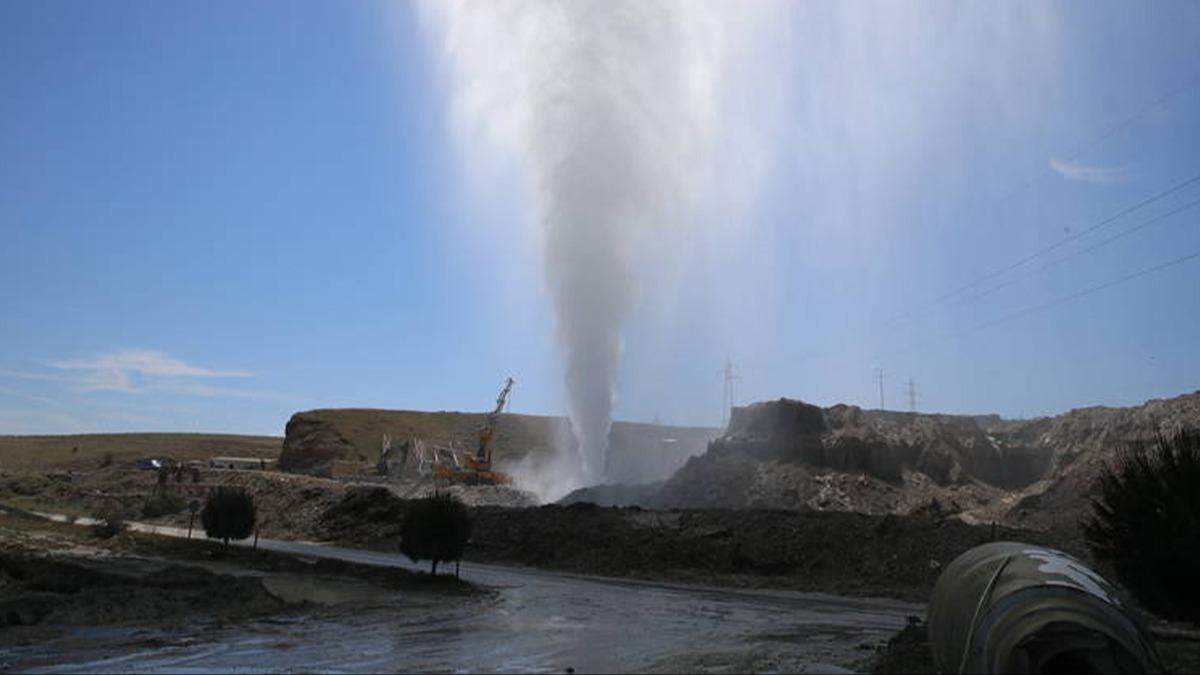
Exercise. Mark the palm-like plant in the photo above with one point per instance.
(1146, 521)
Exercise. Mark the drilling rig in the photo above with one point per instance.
(477, 470)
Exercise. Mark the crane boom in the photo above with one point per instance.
(484, 454)
(503, 397)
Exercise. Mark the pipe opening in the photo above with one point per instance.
(1070, 649)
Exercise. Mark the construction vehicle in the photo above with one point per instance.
(477, 469)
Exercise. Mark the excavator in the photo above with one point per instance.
(477, 470)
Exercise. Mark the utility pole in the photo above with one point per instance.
(912, 395)
(880, 375)
(730, 374)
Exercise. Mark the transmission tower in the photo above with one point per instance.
(912, 395)
(880, 375)
(731, 376)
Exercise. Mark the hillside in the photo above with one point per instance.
(86, 450)
(1081, 441)
(792, 455)
(316, 439)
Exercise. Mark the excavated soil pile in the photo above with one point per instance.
(817, 551)
(791, 455)
(786, 454)
(1081, 442)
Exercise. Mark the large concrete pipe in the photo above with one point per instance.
(1008, 607)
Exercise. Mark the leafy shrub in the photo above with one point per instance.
(110, 521)
(435, 529)
(163, 505)
(106, 460)
(229, 513)
(1146, 521)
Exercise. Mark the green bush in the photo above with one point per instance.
(436, 529)
(229, 513)
(110, 521)
(1146, 521)
(163, 505)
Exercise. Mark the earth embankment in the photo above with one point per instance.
(834, 552)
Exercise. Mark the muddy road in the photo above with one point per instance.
(535, 621)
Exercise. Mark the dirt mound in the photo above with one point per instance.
(748, 483)
(1081, 442)
(782, 419)
(789, 454)
(881, 444)
(638, 494)
(372, 515)
(472, 495)
(834, 552)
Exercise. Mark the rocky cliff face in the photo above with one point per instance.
(1081, 442)
(882, 444)
(310, 445)
(789, 454)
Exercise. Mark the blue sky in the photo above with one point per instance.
(216, 214)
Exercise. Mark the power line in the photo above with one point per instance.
(1058, 261)
(1058, 244)
(1119, 126)
(1061, 300)
(912, 395)
(1045, 172)
(1103, 242)
(1072, 237)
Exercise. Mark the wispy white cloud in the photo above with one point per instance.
(1072, 170)
(145, 362)
(210, 391)
(133, 371)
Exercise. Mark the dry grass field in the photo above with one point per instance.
(89, 450)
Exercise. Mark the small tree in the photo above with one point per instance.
(229, 513)
(436, 529)
(110, 520)
(1146, 521)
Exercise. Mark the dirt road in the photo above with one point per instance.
(538, 622)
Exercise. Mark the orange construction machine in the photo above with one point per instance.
(477, 470)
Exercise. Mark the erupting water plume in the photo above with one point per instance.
(608, 109)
